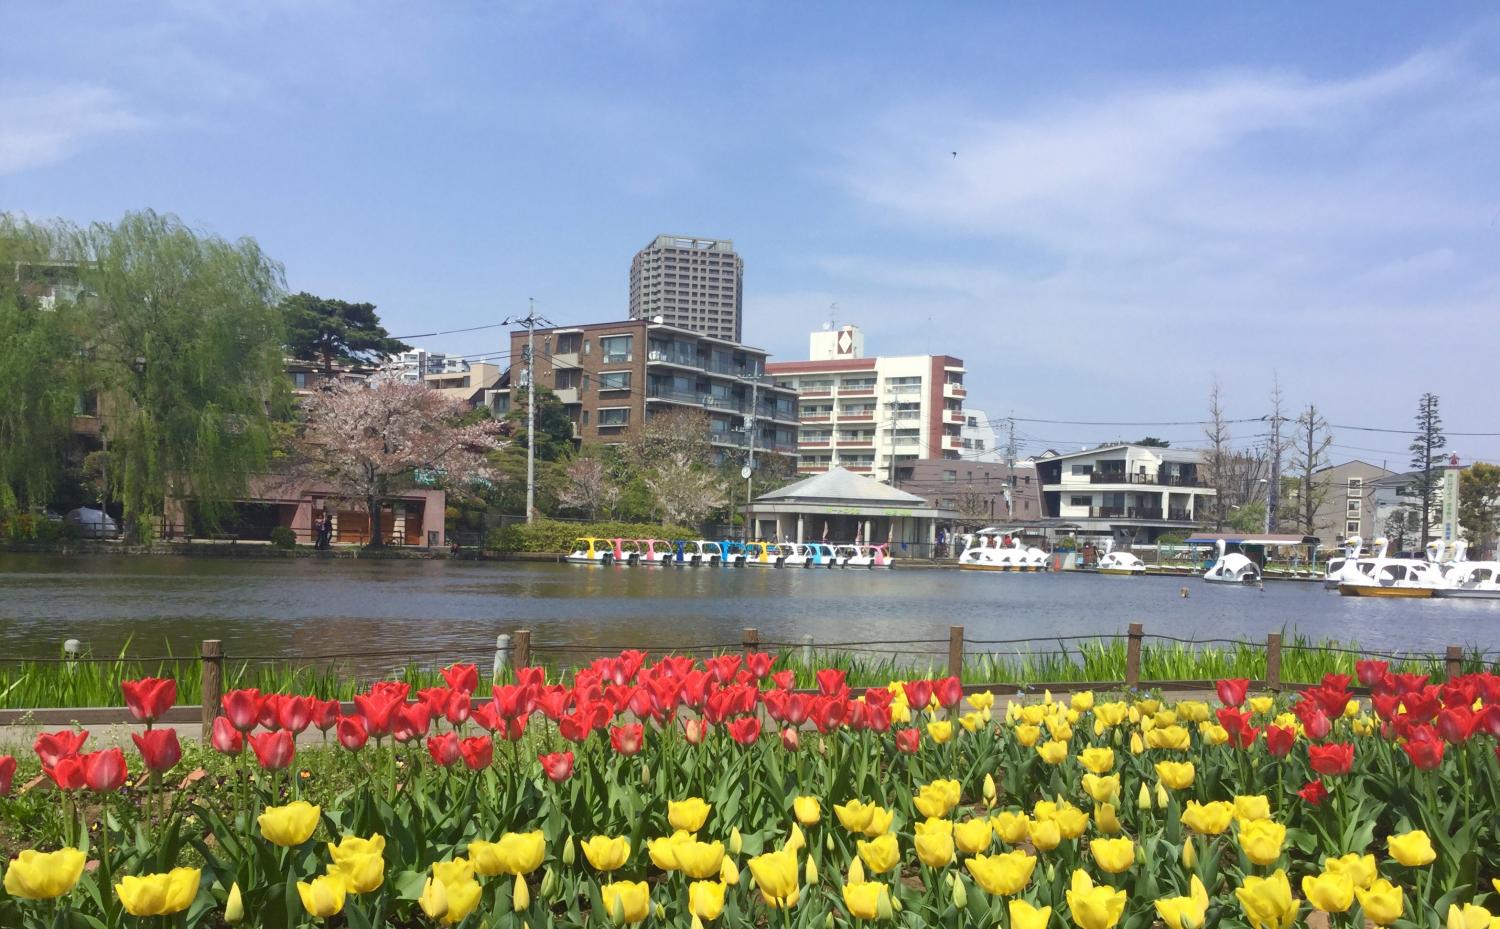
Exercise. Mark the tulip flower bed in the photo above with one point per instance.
(690, 794)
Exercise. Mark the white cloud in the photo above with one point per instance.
(45, 125)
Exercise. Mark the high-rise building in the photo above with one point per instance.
(689, 283)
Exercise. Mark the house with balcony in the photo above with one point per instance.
(1132, 494)
(614, 376)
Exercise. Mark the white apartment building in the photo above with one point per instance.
(1132, 493)
(873, 416)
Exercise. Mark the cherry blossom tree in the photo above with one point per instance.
(684, 491)
(370, 442)
(589, 487)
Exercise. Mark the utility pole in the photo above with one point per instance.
(1010, 464)
(528, 358)
(1273, 485)
(751, 424)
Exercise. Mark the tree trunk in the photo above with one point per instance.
(377, 539)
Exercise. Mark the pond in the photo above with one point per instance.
(306, 607)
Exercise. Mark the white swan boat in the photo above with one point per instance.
(1121, 563)
(1395, 577)
(1231, 567)
(986, 557)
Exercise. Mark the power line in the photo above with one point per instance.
(426, 335)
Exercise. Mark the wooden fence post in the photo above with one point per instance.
(1133, 637)
(520, 646)
(750, 641)
(1273, 661)
(1453, 664)
(212, 674)
(956, 651)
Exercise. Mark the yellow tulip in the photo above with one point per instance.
(1083, 701)
(1193, 711)
(856, 872)
(1331, 891)
(352, 846)
(863, 900)
(1094, 907)
(880, 854)
(855, 815)
(1053, 752)
(1189, 854)
(807, 810)
(1025, 916)
(1362, 725)
(1044, 834)
(323, 897)
(1028, 734)
(1288, 721)
(1114, 856)
(460, 890)
(1044, 809)
(1102, 789)
(1468, 916)
(1383, 902)
(663, 851)
(234, 906)
(1097, 759)
(159, 894)
(35, 875)
(1413, 849)
(434, 899)
(1071, 822)
(940, 731)
(775, 874)
(729, 874)
(1033, 714)
(1208, 818)
(607, 853)
(1174, 738)
(1111, 714)
(706, 899)
(515, 854)
(1143, 799)
(1254, 807)
(1260, 706)
(360, 873)
(880, 822)
(1177, 775)
(689, 814)
(933, 826)
(971, 722)
(1010, 826)
(932, 801)
(988, 792)
(900, 712)
(1002, 875)
(1106, 820)
(1267, 901)
(1185, 912)
(520, 895)
(1262, 840)
(973, 836)
(289, 825)
(628, 901)
(700, 860)
(1360, 868)
(736, 841)
(982, 701)
(1213, 733)
(795, 840)
(1136, 745)
(935, 849)
(1059, 729)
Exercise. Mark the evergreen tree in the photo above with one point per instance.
(335, 332)
(1427, 458)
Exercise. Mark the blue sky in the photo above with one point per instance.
(1144, 198)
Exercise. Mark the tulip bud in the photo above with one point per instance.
(659, 911)
(828, 841)
(960, 894)
(1116, 737)
(434, 899)
(569, 855)
(617, 912)
(791, 739)
(828, 920)
(990, 795)
(1143, 799)
(736, 841)
(1051, 871)
(728, 873)
(895, 902)
(234, 907)
(520, 897)
(810, 871)
(645, 775)
(550, 884)
(1136, 745)
(883, 906)
(1161, 795)
(1189, 854)
(856, 872)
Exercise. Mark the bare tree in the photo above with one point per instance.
(684, 491)
(973, 507)
(1275, 449)
(1310, 455)
(1217, 457)
(370, 442)
(589, 488)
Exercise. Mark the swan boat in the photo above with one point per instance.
(1121, 563)
(1231, 567)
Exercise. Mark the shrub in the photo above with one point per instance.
(547, 535)
(282, 537)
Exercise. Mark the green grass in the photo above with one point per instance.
(31, 684)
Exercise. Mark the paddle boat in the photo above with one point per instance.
(811, 555)
(1231, 567)
(733, 554)
(764, 555)
(869, 555)
(653, 552)
(993, 557)
(1471, 580)
(1396, 577)
(590, 550)
(1124, 564)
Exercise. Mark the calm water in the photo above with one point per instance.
(306, 607)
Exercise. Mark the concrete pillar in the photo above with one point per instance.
(800, 537)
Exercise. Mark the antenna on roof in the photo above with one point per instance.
(833, 316)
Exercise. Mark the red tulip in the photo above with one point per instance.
(159, 748)
(558, 766)
(827, 713)
(513, 729)
(410, 722)
(908, 740)
(460, 705)
(1456, 723)
(150, 697)
(1314, 792)
(745, 730)
(104, 771)
(377, 707)
(1237, 724)
(325, 713)
(723, 668)
(759, 664)
(52, 747)
(1331, 695)
(1424, 749)
(531, 677)
(1233, 691)
(462, 677)
(1314, 721)
(294, 713)
(352, 732)
(918, 694)
(694, 731)
(1487, 720)
(444, 748)
(1279, 740)
(242, 707)
(784, 679)
(1406, 683)
(1334, 758)
(274, 750)
(477, 752)
(270, 711)
(67, 774)
(949, 691)
(553, 702)
(626, 740)
(7, 773)
(1386, 706)
(1421, 704)
(831, 682)
(791, 739)
(576, 726)
(226, 739)
(1371, 672)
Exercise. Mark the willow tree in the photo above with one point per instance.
(185, 350)
(39, 363)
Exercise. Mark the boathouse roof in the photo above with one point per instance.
(842, 487)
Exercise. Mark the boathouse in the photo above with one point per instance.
(841, 506)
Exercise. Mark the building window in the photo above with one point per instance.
(568, 343)
(1080, 501)
(583, 418)
(1352, 527)
(1081, 470)
(299, 378)
(619, 416)
(950, 476)
(1356, 484)
(615, 349)
(564, 378)
(1354, 507)
(614, 380)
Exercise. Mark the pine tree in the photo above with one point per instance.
(1427, 457)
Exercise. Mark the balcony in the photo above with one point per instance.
(1155, 480)
(866, 416)
(819, 392)
(708, 401)
(954, 391)
(858, 390)
(816, 417)
(813, 443)
(1125, 512)
(857, 468)
(856, 443)
(952, 443)
(566, 394)
(954, 417)
(680, 359)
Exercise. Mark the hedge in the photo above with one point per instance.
(546, 535)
